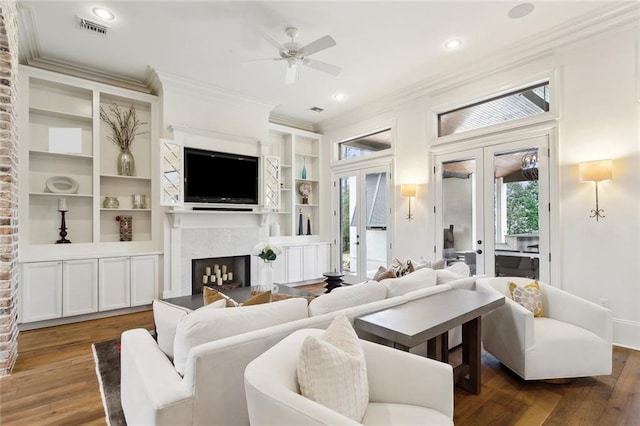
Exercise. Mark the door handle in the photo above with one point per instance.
(479, 251)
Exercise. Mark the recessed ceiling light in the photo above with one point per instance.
(453, 44)
(103, 13)
(338, 97)
(521, 10)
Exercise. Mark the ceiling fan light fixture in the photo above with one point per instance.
(453, 44)
(103, 13)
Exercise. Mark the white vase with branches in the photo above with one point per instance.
(125, 126)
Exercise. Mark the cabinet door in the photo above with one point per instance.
(271, 179)
(280, 270)
(114, 283)
(309, 263)
(171, 173)
(41, 290)
(144, 279)
(79, 287)
(323, 258)
(294, 264)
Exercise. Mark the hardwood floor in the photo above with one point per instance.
(54, 383)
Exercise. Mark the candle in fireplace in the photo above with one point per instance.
(230, 276)
(205, 279)
(208, 269)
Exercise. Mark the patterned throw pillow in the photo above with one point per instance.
(528, 296)
(402, 268)
(383, 273)
(332, 370)
(210, 295)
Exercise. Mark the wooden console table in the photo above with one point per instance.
(429, 320)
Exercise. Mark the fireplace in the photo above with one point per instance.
(222, 273)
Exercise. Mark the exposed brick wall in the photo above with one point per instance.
(8, 187)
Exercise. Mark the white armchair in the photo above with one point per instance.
(572, 339)
(403, 388)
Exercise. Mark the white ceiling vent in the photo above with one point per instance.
(94, 27)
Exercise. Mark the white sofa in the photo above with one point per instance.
(211, 391)
(403, 388)
(571, 339)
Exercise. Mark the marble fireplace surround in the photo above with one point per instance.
(204, 234)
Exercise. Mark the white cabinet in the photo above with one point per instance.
(41, 291)
(79, 287)
(144, 279)
(128, 281)
(302, 262)
(66, 288)
(115, 282)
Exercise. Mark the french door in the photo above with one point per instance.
(492, 206)
(363, 218)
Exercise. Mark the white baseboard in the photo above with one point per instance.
(626, 333)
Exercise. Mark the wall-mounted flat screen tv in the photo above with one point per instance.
(219, 177)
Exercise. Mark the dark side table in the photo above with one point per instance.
(334, 280)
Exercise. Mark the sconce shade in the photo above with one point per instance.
(595, 171)
(408, 190)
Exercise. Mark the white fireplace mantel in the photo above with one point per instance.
(216, 218)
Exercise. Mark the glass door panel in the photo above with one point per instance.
(377, 215)
(461, 207)
(348, 196)
(363, 222)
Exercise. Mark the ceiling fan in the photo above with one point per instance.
(295, 54)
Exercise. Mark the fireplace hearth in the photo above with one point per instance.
(220, 272)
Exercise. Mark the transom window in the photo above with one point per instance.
(365, 145)
(523, 103)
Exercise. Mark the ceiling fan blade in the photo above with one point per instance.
(291, 75)
(322, 66)
(318, 45)
(272, 41)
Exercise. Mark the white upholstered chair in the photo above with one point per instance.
(403, 388)
(571, 339)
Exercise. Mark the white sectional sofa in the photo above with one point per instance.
(208, 388)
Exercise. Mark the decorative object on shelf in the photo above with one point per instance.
(595, 171)
(300, 222)
(308, 224)
(304, 168)
(274, 230)
(268, 253)
(408, 191)
(305, 190)
(63, 208)
(110, 202)
(138, 201)
(62, 185)
(125, 127)
(126, 227)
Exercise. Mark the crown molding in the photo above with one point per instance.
(208, 91)
(612, 18)
(291, 122)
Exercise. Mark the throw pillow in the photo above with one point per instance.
(210, 295)
(424, 263)
(166, 317)
(383, 273)
(528, 296)
(402, 268)
(332, 371)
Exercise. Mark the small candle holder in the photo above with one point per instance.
(62, 208)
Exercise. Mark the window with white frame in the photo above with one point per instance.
(363, 146)
(523, 103)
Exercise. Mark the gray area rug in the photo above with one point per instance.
(107, 358)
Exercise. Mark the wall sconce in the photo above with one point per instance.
(595, 171)
(408, 191)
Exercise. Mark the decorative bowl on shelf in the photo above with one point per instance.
(62, 185)
(110, 202)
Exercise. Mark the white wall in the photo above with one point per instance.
(599, 118)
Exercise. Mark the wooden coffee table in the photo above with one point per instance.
(429, 320)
